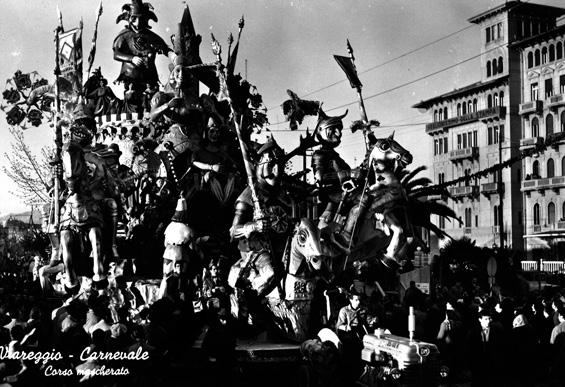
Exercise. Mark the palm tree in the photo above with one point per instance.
(419, 209)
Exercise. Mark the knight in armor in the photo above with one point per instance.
(332, 173)
(261, 239)
(93, 200)
(136, 47)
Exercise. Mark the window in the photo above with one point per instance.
(535, 170)
(440, 146)
(468, 217)
(501, 98)
(470, 107)
(495, 215)
(495, 135)
(464, 108)
(435, 147)
(489, 101)
(549, 124)
(495, 99)
(544, 55)
(487, 31)
(464, 141)
(559, 50)
(445, 113)
(500, 65)
(494, 67)
(536, 214)
(440, 114)
(551, 213)
(459, 143)
(562, 84)
(435, 116)
(489, 135)
(475, 138)
(475, 105)
(501, 134)
(441, 178)
(563, 121)
(551, 52)
(488, 69)
(537, 58)
(535, 127)
(530, 60)
(548, 88)
(550, 168)
(534, 91)
(563, 167)
(476, 220)
(458, 109)
(445, 145)
(470, 139)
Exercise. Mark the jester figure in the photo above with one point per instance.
(136, 47)
(260, 239)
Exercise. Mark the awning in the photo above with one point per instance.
(536, 240)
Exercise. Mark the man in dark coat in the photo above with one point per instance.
(486, 346)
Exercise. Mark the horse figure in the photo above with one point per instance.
(290, 300)
(81, 217)
(381, 198)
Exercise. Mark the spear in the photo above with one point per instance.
(94, 37)
(60, 17)
(347, 64)
(258, 212)
(58, 130)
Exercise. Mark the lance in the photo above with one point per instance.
(94, 37)
(58, 130)
(347, 64)
(258, 212)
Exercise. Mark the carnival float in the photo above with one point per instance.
(162, 184)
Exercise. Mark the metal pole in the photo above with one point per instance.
(500, 190)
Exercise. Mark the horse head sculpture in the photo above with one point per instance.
(387, 154)
(305, 248)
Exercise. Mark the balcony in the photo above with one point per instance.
(492, 188)
(542, 184)
(485, 114)
(459, 192)
(437, 198)
(555, 139)
(556, 101)
(532, 142)
(531, 107)
(465, 153)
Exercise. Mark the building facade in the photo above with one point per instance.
(480, 125)
(543, 118)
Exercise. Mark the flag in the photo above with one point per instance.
(348, 67)
(70, 58)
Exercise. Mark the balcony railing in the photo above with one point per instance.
(437, 197)
(491, 188)
(556, 100)
(537, 228)
(531, 107)
(465, 153)
(545, 183)
(546, 266)
(526, 143)
(493, 112)
(469, 190)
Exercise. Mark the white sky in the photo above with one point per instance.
(288, 45)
